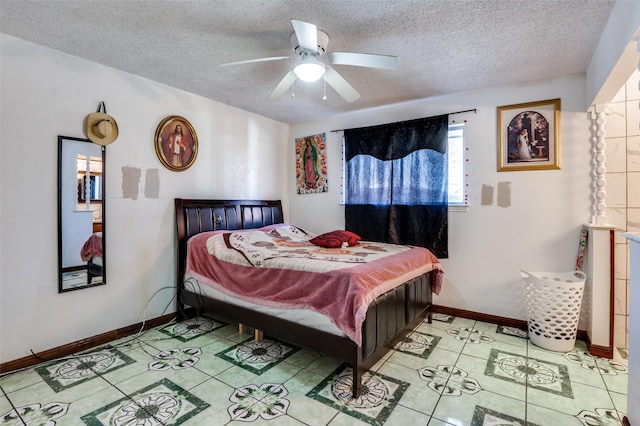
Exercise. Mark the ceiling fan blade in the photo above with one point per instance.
(282, 87)
(307, 35)
(341, 85)
(249, 61)
(385, 62)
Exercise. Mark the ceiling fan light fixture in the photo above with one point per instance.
(309, 71)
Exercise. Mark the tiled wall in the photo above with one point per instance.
(622, 129)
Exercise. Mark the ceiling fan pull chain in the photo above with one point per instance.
(293, 90)
(324, 84)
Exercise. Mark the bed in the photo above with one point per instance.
(91, 253)
(387, 318)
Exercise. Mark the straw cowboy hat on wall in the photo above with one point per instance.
(101, 127)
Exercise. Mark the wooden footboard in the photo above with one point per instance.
(93, 270)
(389, 319)
(419, 296)
(390, 314)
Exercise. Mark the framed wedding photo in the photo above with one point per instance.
(529, 136)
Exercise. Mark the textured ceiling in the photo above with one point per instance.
(444, 46)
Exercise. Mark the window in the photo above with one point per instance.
(457, 182)
(457, 190)
(399, 196)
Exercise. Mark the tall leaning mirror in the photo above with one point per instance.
(81, 207)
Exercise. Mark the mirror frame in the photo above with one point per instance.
(61, 289)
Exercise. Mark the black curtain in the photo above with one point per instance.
(396, 183)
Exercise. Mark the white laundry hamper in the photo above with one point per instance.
(553, 303)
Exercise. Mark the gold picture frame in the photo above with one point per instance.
(176, 143)
(529, 136)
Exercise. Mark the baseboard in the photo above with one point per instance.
(597, 350)
(81, 345)
(84, 344)
(494, 319)
(477, 316)
(601, 351)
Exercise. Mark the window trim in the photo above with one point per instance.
(465, 196)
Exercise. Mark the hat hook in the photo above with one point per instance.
(102, 106)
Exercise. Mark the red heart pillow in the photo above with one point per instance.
(334, 239)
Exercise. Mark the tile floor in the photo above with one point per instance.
(454, 371)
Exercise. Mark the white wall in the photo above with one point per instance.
(45, 94)
(616, 56)
(488, 245)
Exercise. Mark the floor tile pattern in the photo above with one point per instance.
(483, 416)
(602, 416)
(75, 279)
(258, 357)
(443, 318)
(447, 380)
(452, 372)
(379, 396)
(36, 414)
(530, 372)
(191, 328)
(418, 344)
(602, 365)
(160, 403)
(252, 402)
(61, 375)
(511, 331)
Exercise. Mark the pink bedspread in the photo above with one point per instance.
(92, 247)
(342, 292)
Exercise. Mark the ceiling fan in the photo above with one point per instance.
(310, 45)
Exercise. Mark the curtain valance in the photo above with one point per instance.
(397, 140)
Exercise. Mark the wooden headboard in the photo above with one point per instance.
(195, 216)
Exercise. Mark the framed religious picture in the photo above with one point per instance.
(529, 136)
(311, 164)
(176, 143)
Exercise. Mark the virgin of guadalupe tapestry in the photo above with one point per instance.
(311, 164)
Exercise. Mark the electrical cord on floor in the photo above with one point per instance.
(144, 308)
(92, 368)
(137, 338)
(142, 330)
(129, 342)
(15, 410)
(142, 343)
(200, 296)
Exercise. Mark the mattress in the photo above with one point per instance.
(305, 317)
